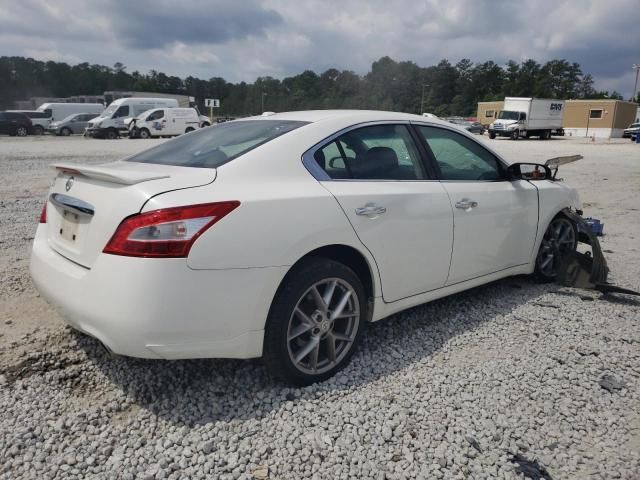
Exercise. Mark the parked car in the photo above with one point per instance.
(474, 127)
(282, 236)
(631, 131)
(163, 122)
(39, 120)
(15, 124)
(73, 124)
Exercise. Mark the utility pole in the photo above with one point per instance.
(422, 99)
(264, 94)
(636, 67)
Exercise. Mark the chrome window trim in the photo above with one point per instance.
(319, 174)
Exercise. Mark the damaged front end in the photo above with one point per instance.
(587, 270)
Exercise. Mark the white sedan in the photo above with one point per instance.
(281, 236)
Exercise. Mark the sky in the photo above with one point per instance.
(241, 40)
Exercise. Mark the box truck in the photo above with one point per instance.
(528, 117)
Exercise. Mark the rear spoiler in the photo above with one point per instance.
(113, 175)
(554, 163)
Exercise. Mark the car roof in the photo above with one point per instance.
(348, 116)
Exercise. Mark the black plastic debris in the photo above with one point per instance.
(473, 442)
(530, 468)
(611, 383)
(587, 270)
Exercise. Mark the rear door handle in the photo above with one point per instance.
(466, 204)
(371, 210)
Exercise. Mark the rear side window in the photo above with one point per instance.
(212, 147)
(459, 157)
(379, 152)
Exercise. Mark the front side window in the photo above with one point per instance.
(123, 111)
(157, 115)
(212, 147)
(379, 152)
(459, 157)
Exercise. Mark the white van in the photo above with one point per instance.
(60, 111)
(164, 122)
(112, 121)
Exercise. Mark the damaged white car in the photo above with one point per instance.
(282, 236)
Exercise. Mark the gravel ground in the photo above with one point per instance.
(510, 380)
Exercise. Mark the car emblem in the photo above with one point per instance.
(69, 184)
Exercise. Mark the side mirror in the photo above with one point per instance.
(529, 171)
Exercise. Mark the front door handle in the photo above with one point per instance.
(466, 204)
(371, 210)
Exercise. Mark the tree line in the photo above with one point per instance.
(443, 89)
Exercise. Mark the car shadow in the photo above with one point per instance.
(195, 392)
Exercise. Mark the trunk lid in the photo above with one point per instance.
(87, 203)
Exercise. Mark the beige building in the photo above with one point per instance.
(602, 118)
(488, 112)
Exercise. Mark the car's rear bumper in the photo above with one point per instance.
(158, 308)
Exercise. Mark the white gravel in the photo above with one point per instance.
(509, 379)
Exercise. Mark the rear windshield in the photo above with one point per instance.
(213, 146)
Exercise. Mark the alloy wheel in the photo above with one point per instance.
(559, 240)
(323, 326)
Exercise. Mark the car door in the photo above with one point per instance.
(80, 122)
(495, 220)
(401, 214)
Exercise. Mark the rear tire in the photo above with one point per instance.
(38, 130)
(560, 240)
(111, 134)
(515, 135)
(189, 129)
(21, 131)
(492, 135)
(144, 133)
(303, 342)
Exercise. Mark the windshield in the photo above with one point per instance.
(508, 115)
(109, 111)
(215, 146)
(634, 125)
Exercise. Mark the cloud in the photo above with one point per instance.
(241, 40)
(153, 24)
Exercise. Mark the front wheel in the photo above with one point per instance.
(315, 322)
(559, 241)
(38, 130)
(65, 132)
(111, 134)
(515, 135)
(21, 131)
(144, 133)
(492, 135)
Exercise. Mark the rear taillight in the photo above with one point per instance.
(166, 233)
(43, 214)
